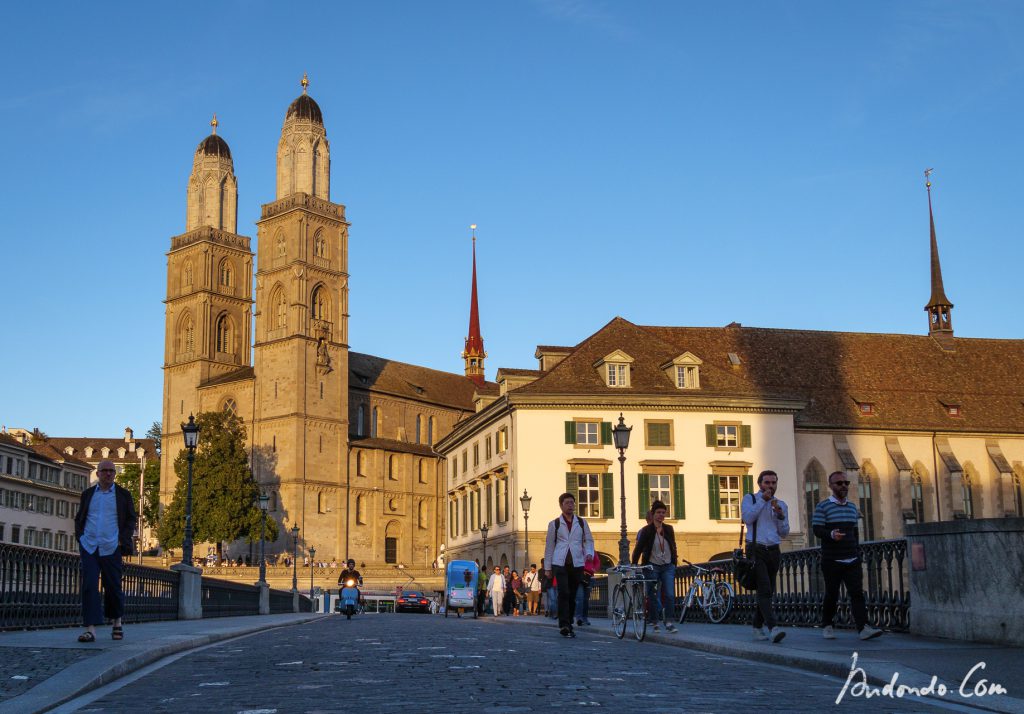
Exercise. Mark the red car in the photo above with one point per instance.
(412, 601)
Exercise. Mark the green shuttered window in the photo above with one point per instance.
(607, 497)
(678, 497)
(643, 493)
(714, 509)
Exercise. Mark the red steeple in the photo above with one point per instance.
(474, 353)
(939, 307)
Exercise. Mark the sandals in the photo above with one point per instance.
(117, 633)
(87, 637)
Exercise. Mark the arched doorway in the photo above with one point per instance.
(392, 533)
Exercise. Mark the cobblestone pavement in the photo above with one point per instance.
(422, 663)
(21, 668)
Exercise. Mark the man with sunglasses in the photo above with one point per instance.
(835, 523)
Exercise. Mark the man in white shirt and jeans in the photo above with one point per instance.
(569, 542)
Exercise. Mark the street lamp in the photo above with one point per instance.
(483, 532)
(620, 437)
(264, 498)
(312, 567)
(295, 557)
(191, 433)
(524, 501)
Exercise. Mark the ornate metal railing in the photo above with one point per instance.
(150, 593)
(222, 598)
(598, 596)
(281, 601)
(800, 589)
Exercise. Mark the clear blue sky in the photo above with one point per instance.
(673, 163)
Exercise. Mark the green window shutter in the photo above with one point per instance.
(659, 434)
(678, 497)
(748, 484)
(643, 493)
(607, 497)
(572, 484)
(570, 432)
(710, 434)
(745, 436)
(606, 433)
(714, 510)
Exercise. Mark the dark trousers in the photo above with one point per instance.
(847, 574)
(768, 558)
(95, 567)
(568, 578)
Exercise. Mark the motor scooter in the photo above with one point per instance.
(348, 598)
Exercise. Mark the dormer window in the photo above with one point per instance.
(615, 368)
(684, 371)
(866, 408)
(687, 377)
(954, 410)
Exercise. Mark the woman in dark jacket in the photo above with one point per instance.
(656, 546)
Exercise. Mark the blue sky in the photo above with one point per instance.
(673, 163)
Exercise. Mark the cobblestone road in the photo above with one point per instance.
(22, 668)
(422, 663)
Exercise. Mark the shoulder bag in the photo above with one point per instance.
(745, 567)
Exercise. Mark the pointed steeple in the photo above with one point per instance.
(939, 308)
(474, 353)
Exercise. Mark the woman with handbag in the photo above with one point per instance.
(767, 520)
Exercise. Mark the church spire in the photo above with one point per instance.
(474, 353)
(939, 307)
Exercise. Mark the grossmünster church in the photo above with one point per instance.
(341, 441)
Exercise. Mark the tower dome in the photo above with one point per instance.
(213, 145)
(303, 153)
(212, 187)
(305, 109)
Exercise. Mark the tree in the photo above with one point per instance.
(154, 433)
(224, 492)
(130, 480)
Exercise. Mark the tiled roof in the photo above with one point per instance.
(390, 445)
(232, 376)
(411, 381)
(9, 440)
(906, 377)
(47, 450)
(512, 372)
(79, 444)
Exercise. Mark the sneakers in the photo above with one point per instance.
(671, 628)
(760, 634)
(828, 633)
(869, 633)
(579, 622)
(776, 635)
(564, 632)
(655, 627)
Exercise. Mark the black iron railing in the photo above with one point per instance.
(280, 601)
(222, 598)
(150, 593)
(800, 589)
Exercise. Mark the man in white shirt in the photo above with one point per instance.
(532, 581)
(569, 542)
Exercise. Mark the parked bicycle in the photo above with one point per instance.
(629, 600)
(710, 592)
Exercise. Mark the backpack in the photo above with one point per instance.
(586, 528)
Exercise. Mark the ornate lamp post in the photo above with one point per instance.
(312, 567)
(191, 433)
(295, 558)
(524, 501)
(620, 437)
(264, 498)
(483, 533)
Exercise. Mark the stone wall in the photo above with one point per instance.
(965, 580)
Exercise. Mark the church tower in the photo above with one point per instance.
(301, 349)
(209, 289)
(939, 308)
(474, 354)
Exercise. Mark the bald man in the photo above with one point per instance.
(104, 527)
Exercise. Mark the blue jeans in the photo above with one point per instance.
(94, 567)
(663, 587)
(583, 603)
(552, 602)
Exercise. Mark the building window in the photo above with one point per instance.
(954, 410)
(419, 428)
(587, 433)
(225, 273)
(866, 408)
(661, 489)
(230, 406)
(390, 550)
(659, 435)
(968, 493)
(423, 470)
(187, 338)
(360, 463)
(430, 430)
(279, 306)
(488, 503)
(451, 519)
(421, 516)
(501, 500)
(687, 377)
(917, 497)
(588, 495)
(866, 506)
(319, 306)
(728, 497)
(361, 509)
(476, 454)
(223, 334)
(319, 245)
(15, 534)
(360, 420)
(393, 467)
(455, 468)
(375, 422)
(728, 436)
(502, 440)
(465, 460)
(465, 514)
(187, 279)
(618, 375)
(814, 476)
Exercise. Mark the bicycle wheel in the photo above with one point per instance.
(639, 612)
(619, 611)
(685, 605)
(720, 602)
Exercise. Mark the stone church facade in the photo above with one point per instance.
(341, 441)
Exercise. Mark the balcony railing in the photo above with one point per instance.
(800, 589)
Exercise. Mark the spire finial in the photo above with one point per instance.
(474, 354)
(214, 123)
(305, 82)
(939, 306)
(472, 227)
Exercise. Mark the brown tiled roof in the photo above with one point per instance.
(488, 390)
(512, 372)
(390, 445)
(550, 349)
(48, 450)
(233, 376)
(79, 443)
(6, 438)
(411, 381)
(905, 376)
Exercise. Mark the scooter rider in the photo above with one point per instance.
(350, 572)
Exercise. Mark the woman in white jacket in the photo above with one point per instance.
(496, 589)
(569, 543)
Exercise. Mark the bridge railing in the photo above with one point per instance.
(800, 588)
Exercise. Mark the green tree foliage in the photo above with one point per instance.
(154, 433)
(224, 492)
(130, 480)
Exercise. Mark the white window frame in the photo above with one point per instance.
(617, 374)
(687, 377)
(588, 433)
(588, 495)
(723, 438)
(660, 489)
(729, 494)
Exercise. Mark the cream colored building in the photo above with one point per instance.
(354, 489)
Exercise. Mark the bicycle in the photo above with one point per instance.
(711, 593)
(629, 600)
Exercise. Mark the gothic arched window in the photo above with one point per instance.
(361, 509)
(230, 406)
(393, 468)
(279, 308)
(319, 245)
(282, 247)
(186, 275)
(866, 502)
(430, 430)
(223, 334)
(419, 428)
(319, 304)
(187, 336)
(373, 422)
(917, 495)
(225, 273)
(814, 475)
(967, 486)
(422, 514)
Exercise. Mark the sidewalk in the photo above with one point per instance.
(40, 669)
(915, 659)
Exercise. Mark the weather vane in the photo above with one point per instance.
(928, 177)
(214, 123)
(305, 82)
(473, 228)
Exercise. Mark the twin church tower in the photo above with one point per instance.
(346, 460)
